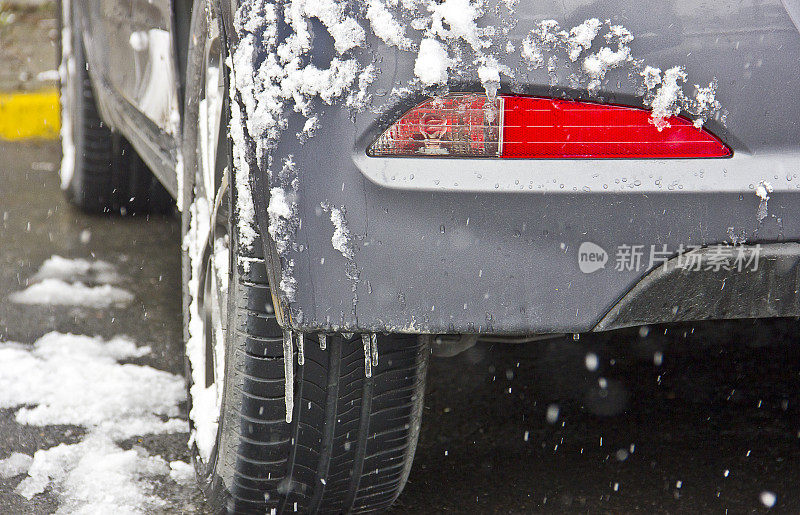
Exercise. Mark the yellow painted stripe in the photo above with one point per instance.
(29, 115)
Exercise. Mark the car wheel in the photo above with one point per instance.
(100, 170)
(282, 421)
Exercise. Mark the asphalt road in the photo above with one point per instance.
(507, 428)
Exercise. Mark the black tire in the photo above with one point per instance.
(351, 439)
(108, 176)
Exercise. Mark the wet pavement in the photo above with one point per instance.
(27, 45)
(693, 418)
(36, 224)
(673, 419)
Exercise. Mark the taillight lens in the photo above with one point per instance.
(455, 125)
(471, 125)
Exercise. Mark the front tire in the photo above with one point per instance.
(100, 170)
(352, 435)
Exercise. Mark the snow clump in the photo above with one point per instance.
(16, 464)
(62, 281)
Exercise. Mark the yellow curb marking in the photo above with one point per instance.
(29, 115)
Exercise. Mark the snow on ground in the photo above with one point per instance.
(58, 292)
(112, 400)
(83, 270)
(88, 381)
(92, 390)
(74, 282)
(16, 464)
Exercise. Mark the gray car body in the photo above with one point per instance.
(491, 246)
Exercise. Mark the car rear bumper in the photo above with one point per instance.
(482, 246)
(491, 245)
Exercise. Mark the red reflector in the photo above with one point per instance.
(469, 125)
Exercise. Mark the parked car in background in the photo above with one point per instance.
(357, 178)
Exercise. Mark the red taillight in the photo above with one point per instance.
(454, 125)
(470, 125)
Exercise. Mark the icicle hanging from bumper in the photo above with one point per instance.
(374, 338)
(301, 356)
(323, 341)
(367, 342)
(288, 372)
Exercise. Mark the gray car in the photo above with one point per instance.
(362, 181)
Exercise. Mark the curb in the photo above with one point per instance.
(30, 115)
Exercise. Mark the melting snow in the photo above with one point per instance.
(58, 292)
(456, 19)
(284, 222)
(66, 69)
(581, 37)
(432, 62)
(113, 401)
(341, 239)
(385, 26)
(663, 93)
(96, 476)
(762, 192)
(182, 473)
(62, 281)
(93, 389)
(204, 412)
(597, 65)
(666, 101)
(83, 270)
(16, 464)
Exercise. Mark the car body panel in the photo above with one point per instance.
(490, 245)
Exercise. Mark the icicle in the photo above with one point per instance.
(374, 350)
(365, 339)
(323, 341)
(301, 357)
(288, 372)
